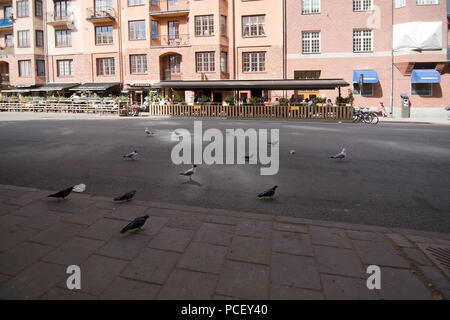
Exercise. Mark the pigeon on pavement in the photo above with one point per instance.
(148, 131)
(341, 155)
(292, 151)
(61, 194)
(127, 196)
(79, 188)
(131, 155)
(268, 193)
(190, 172)
(135, 224)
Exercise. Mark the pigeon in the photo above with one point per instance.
(273, 143)
(79, 188)
(61, 194)
(148, 131)
(135, 224)
(341, 155)
(292, 151)
(190, 172)
(131, 155)
(127, 196)
(268, 193)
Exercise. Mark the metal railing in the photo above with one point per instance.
(171, 41)
(168, 5)
(55, 18)
(168, 75)
(4, 78)
(101, 12)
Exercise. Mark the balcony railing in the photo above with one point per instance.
(168, 75)
(5, 23)
(170, 41)
(58, 19)
(101, 13)
(6, 50)
(169, 7)
(4, 78)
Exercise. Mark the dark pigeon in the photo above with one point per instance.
(61, 194)
(135, 224)
(127, 196)
(268, 193)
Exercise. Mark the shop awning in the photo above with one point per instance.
(369, 76)
(425, 76)
(18, 90)
(317, 84)
(55, 86)
(94, 86)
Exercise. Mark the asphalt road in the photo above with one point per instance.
(396, 175)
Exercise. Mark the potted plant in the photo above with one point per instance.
(230, 100)
(204, 100)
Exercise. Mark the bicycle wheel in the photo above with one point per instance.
(375, 118)
(368, 118)
(356, 117)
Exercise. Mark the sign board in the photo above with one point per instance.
(197, 107)
(294, 108)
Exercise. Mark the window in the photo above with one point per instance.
(362, 5)
(310, 42)
(22, 8)
(155, 32)
(400, 3)
(9, 41)
(223, 25)
(254, 61)
(174, 63)
(174, 32)
(7, 12)
(63, 38)
(102, 5)
(422, 89)
(172, 3)
(23, 38)
(307, 74)
(310, 6)
(40, 68)
(138, 63)
(65, 68)
(204, 25)
(62, 9)
(105, 67)
(205, 62)
(104, 35)
(39, 38)
(422, 2)
(137, 30)
(253, 26)
(367, 89)
(38, 8)
(224, 62)
(362, 40)
(24, 68)
(132, 3)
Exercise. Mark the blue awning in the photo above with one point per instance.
(425, 76)
(369, 76)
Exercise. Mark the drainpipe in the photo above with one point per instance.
(119, 23)
(391, 102)
(284, 45)
(234, 42)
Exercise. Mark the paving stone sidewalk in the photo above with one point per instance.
(197, 253)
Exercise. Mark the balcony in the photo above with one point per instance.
(168, 75)
(4, 79)
(101, 14)
(169, 8)
(181, 40)
(6, 52)
(6, 24)
(57, 20)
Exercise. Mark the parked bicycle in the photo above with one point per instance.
(363, 115)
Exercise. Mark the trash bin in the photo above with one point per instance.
(406, 106)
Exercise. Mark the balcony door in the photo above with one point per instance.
(103, 5)
(62, 9)
(174, 30)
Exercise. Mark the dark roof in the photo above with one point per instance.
(55, 86)
(315, 84)
(94, 86)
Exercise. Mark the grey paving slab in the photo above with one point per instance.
(245, 215)
(343, 288)
(339, 261)
(380, 254)
(296, 271)
(421, 239)
(282, 292)
(125, 246)
(152, 266)
(18, 258)
(32, 209)
(86, 216)
(154, 224)
(438, 280)
(57, 234)
(66, 294)
(402, 284)
(254, 250)
(191, 221)
(254, 228)
(27, 198)
(367, 236)
(399, 240)
(7, 208)
(417, 256)
(4, 278)
(172, 239)
(220, 234)
(244, 280)
(70, 204)
(126, 211)
(33, 282)
(42, 221)
(290, 227)
(222, 220)
(292, 243)
(14, 235)
(103, 229)
(125, 289)
(329, 237)
(188, 285)
(203, 257)
(75, 251)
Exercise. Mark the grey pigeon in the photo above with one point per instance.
(341, 155)
(131, 155)
(190, 172)
(268, 193)
(61, 194)
(148, 131)
(135, 224)
(127, 196)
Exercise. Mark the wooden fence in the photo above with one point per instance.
(64, 107)
(254, 111)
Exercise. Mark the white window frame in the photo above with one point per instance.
(311, 38)
(65, 65)
(362, 5)
(65, 38)
(106, 67)
(311, 6)
(224, 62)
(24, 68)
(365, 92)
(201, 62)
(254, 26)
(426, 2)
(42, 63)
(23, 39)
(400, 3)
(204, 25)
(138, 64)
(252, 59)
(361, 36)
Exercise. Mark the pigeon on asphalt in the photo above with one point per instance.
(79, 188)
(190, 172)
(268, 193)
(127, 196)
(61, 194)
(341, 155)
(148, 131)
(135, 224)
(292, 151)
(131, 155)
